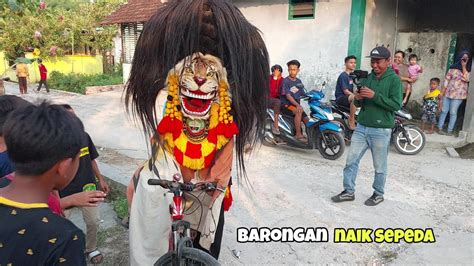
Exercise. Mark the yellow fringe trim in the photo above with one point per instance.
(181, 142)
(214, 116)
(221, 141)
(207, 148)
(193, 163)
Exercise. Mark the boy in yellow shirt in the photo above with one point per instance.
(431, 105)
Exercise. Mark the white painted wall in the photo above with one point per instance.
(117, 40)
(320, 44)
(434, 64)
(126, 68)
(379, 27)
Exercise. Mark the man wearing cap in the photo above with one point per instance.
(379, 97)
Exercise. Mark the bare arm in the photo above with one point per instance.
(103, 184)
(347, 92)
(292, 100)
(82, 199)
(465, 73)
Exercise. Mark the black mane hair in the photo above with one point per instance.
(214, 27)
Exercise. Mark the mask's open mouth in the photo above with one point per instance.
(195, 129)
(196, 103)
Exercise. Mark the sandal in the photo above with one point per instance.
(303, 139)
(95, 256)
(275, 131)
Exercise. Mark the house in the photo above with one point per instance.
(131, 17)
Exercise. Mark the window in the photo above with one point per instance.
(301, 9)
(130, 34)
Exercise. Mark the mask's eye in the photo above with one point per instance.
(188, 70)
(210, 74)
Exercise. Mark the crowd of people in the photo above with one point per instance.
(48, 168)
(23, 74)
(48, 161)
(285, 92)
(387, 89)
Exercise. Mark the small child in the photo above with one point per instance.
(414, 69)
(431, 105)
(44, 144)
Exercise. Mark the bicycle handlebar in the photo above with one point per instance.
(174, 185)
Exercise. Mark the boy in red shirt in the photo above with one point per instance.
(275, 91)
(43, 75)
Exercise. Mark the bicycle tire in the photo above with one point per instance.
(190, 256)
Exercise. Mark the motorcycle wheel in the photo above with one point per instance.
(345, 128)
(415, 142)
(333, 147)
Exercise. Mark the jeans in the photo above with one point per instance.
(378, 141)
(451, 106)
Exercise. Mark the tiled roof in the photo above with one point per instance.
(133, 11)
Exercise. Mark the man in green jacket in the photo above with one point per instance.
(379, 97)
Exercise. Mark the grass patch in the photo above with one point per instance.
(78, 82)
(120, 205)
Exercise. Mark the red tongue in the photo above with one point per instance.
(197, 103)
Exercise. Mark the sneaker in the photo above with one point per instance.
(343, 196)
(374, 200)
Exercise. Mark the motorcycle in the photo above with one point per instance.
(323, 134)
(407, 138)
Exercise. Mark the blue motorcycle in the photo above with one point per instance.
(323, 134)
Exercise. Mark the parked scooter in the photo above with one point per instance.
(323, 134)
(407, 138)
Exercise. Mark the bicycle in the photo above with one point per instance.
(182, 252)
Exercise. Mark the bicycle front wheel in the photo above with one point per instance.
(189, 256)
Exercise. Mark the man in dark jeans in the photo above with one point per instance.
(379, 98)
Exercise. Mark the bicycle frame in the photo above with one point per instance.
(180, 230)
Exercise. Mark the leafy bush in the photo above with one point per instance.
(78, 82)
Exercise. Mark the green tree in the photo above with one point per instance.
(64, 28)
